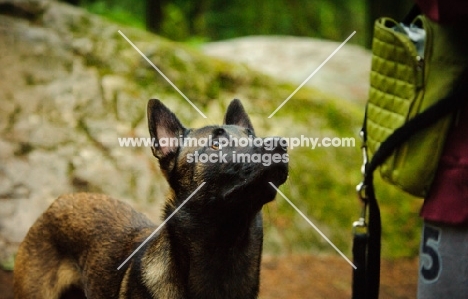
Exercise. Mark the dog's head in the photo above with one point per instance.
(235, 165)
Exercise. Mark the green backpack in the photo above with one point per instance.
(407, 77)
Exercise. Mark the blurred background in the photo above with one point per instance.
(210, 20)
(72, 85)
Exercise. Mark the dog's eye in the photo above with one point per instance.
(215, 145)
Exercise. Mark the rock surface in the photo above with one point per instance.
(294, 59)
(60, 117)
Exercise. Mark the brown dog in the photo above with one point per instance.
(210, 248)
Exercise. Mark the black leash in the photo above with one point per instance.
(367, 235)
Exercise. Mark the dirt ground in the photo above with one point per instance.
(312, 277)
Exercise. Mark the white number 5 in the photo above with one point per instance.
(431, 265)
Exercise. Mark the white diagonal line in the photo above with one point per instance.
(162, 74)
(310, 76)
(313, 225)
(159, 227)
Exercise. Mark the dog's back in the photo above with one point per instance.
(53, 258)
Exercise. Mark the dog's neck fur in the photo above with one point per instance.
(225, 246)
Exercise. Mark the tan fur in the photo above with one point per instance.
(124, 285)
(156, 273)
(67, 275)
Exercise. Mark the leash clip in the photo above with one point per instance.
(365, 157)
(361, 187)
(360, 226)
(361, 191)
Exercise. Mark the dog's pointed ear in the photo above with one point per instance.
(236, 115)
(163, 125)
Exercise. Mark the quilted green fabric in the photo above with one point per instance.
(404, 84)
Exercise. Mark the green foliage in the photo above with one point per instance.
(215, 19)
(322, 180)
(401, 224)
(175, 24)
(120, 11)
(322, 183)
